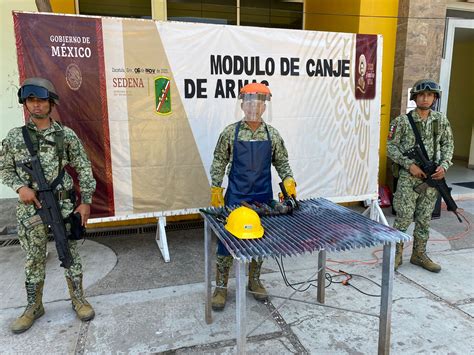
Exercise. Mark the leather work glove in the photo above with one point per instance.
(290, 186)
(217, 196)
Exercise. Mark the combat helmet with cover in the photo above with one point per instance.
(425, 85)
(37, 87)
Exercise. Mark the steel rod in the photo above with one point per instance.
(207, 271)
(241, 318)
(321, 293)
(325, 305)
(386, 299)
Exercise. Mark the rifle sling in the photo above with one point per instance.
(417, 136)
(29, 145)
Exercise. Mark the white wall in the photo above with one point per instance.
(461, 93)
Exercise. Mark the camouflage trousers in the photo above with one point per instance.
(411, 205)
(33, 239)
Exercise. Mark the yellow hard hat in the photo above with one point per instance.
(244, 223)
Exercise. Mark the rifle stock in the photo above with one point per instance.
(50, 212)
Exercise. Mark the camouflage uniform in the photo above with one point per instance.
(33, 235)
(407, 203)
(224, 150)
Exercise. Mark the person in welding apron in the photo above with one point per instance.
(247, 149)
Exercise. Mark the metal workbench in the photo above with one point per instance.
(319, 225)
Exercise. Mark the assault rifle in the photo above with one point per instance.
(429, 168)
(50, 212)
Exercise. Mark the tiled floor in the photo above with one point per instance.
(460, 173)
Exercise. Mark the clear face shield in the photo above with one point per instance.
(253, 108)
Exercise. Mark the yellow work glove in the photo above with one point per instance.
(217, 196)
(290, 186)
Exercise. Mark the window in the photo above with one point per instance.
(209, 11)
(261, 13)
(119, 8)
(272, 13)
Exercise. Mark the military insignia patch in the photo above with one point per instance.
(392, 131)
(163, 95)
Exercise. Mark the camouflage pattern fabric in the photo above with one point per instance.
(402, 138)
(31, 232)
(254, 270)
(33, 241)
(223, 264)
(14, 149)
(225, 146)
(409, 204)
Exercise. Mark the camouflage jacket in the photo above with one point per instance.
(401, 138)
(14, 149)
(225, 146)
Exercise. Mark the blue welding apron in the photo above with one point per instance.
(250, 177)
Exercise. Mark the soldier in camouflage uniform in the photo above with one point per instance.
(247, 149)
(437, 138)
(39, 96)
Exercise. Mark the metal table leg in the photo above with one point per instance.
(321, 276)
(386, 299)
(207, 270)
(241, 318)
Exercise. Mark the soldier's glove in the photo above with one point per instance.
(217, 196)
(290, 186)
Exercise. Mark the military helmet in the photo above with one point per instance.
(255, 91)
(37, 87)
(425, 85)
(244, 223)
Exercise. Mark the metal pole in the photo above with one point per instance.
(381, 215)
(207, 270)
(373, 211)
(238, 12)
(241, 319)
(321, 276)
(161, 239)
(386, 298)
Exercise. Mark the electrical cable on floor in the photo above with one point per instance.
(328, 277)
(292, 285)
(351, 277)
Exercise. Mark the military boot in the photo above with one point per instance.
(255, 286)
(80, 305)
(223, 264)
(34, 308)
(398, 255)
(419, 257)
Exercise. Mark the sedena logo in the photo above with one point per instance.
(163, 95)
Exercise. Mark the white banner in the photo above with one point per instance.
(332, 138)
(149, 100)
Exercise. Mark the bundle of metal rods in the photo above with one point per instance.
(318, 224)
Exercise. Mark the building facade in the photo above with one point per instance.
(423, 38)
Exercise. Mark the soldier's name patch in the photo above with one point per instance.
(32, 221)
